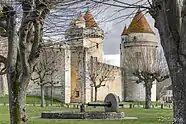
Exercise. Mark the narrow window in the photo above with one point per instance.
(138, 54)
(77, 94)
(134, 38)
(97, 45)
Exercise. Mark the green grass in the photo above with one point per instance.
(30, 100)
(152, 116)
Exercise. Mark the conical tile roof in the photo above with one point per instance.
(73, 22)
(90, 21)
(124, 31)
(80, 17)
(139, 24)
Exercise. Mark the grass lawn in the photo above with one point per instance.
(30, 100)
(152, 116)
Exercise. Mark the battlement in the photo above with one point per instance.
(84, 27)
(93, 33)
(80, 33)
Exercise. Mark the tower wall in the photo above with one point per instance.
(67, 76)
(76, 73)
(80, 24)
(94, 48)
(83, 34)
(122, 67)
(142, 37)
(138, 51)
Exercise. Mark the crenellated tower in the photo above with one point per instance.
(138, 50)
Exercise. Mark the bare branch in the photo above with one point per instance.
(99, 73)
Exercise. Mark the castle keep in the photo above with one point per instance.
(82, 54)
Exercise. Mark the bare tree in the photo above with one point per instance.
(147, 70)
(21, 58)
(24, 43)
(98, 74)
(44, 70)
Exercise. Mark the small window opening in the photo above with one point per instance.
(97, 45)
(77, 94)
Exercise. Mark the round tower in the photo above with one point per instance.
(138, 51)
(80, 22)
(124, 36)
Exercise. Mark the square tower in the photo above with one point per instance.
(85, 40)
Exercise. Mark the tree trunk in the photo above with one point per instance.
(179, 96)
(92, 94)
(42, 96)
(17, 97)
(16, 84)
(95, 94)
(51, 96)
(176, 63)
(17, 104)
(147, 94)
(14, 105)
(25, 79)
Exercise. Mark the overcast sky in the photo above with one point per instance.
(112, 39)
(113, 20)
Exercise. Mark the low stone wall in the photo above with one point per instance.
(84, 115)
(58, 92)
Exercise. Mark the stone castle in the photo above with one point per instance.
(83, 47)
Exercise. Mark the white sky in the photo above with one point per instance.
(112, 59)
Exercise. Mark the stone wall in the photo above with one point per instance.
(111, 86)
(138, 52)
(3, 79)
(111, 76)
(77, 72)
(52, 58)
